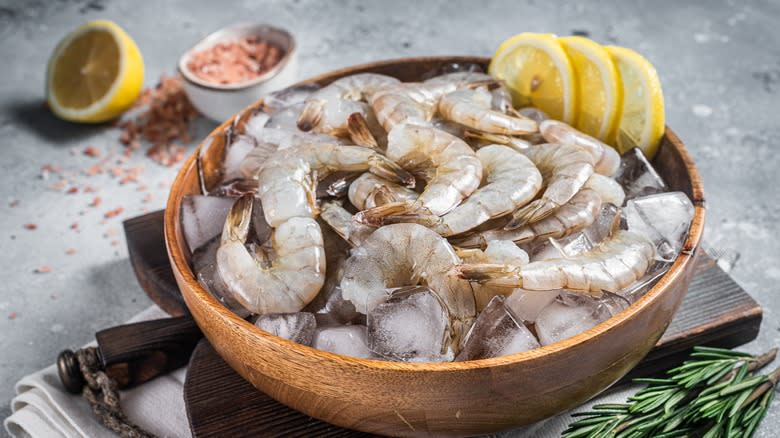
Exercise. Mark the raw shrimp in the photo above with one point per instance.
(578, 213)
(605, 158)
(511, 180)
(340, 220)
(327, 109)
(609, 189)
(369, 191)
(416, 102)
(405, 255)
(453, 170)
(565, 168)
(472, 108)
(296, 272)
(614, 264)
(288, 178)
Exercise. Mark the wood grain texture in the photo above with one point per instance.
(462, 398)
(145, 236)
(716, 311)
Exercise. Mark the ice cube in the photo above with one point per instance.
(202, 218)
(663, 218)
(409, 325)
(278, 100)
(637, 176)
(286, 118)
(640, 287)
(496, 332)
(235, 154)
(526, 304)
(568, 246)
(349, 340)
(255, 125)
(572, 314)
(204, 261)
(297, 327)
(600, 229)
(330, 308)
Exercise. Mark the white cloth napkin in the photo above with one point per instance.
(42, 408)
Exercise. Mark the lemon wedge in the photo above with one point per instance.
(95, 73)
(641, 122)
(538, 73)
(599, 93)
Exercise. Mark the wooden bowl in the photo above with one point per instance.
(460, 398)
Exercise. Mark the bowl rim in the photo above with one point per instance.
(176, 254)
(212, 38)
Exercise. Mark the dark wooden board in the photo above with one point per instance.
(716, 311)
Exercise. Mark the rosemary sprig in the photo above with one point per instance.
(713, 394)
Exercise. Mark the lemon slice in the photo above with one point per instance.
(641, 122)
(95, 73)
(599, 93)
(538, 73)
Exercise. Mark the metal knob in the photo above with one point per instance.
(70, 374)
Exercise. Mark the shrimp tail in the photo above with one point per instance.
(469, 242)
(238, 219)
(376, 216)
(533, 212)
(311, 114)
(515, 143)
(382, 167)
(359, 132)
(482, 272)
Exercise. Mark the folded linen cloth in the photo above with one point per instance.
(42, 408)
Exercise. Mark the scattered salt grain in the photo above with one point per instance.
(30, 226)
(91, 151)
(43, 269)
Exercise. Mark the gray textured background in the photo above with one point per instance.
(719, 63)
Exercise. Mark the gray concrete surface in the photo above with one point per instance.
(719, 63)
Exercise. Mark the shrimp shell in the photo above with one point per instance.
(578, 213)
(454, 171)
(288, 178)
(327, 109)
(605, 158)
(472, 108)
(565, 168)
(511, 180)
(340, 220)
(614, 264)
(296, 272)
(369, 191)
(404, 255)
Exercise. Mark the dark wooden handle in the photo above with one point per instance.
(135, 353)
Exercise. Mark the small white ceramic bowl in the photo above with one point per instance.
(220, 101)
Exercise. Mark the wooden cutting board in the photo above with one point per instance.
(716, 311)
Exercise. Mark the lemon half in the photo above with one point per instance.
(599, 93)
(538, 73)
(95, 73)
(641, 122)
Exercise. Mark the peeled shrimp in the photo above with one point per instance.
(369, 191)
(406, 255)
(416, 102)
(472, 108)
(605, 158)
(453, 170)
(511, 180)
(565, 168)
(288, 178)
(340, 220)
(614, 264)
(327, 109)
(296, 272)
